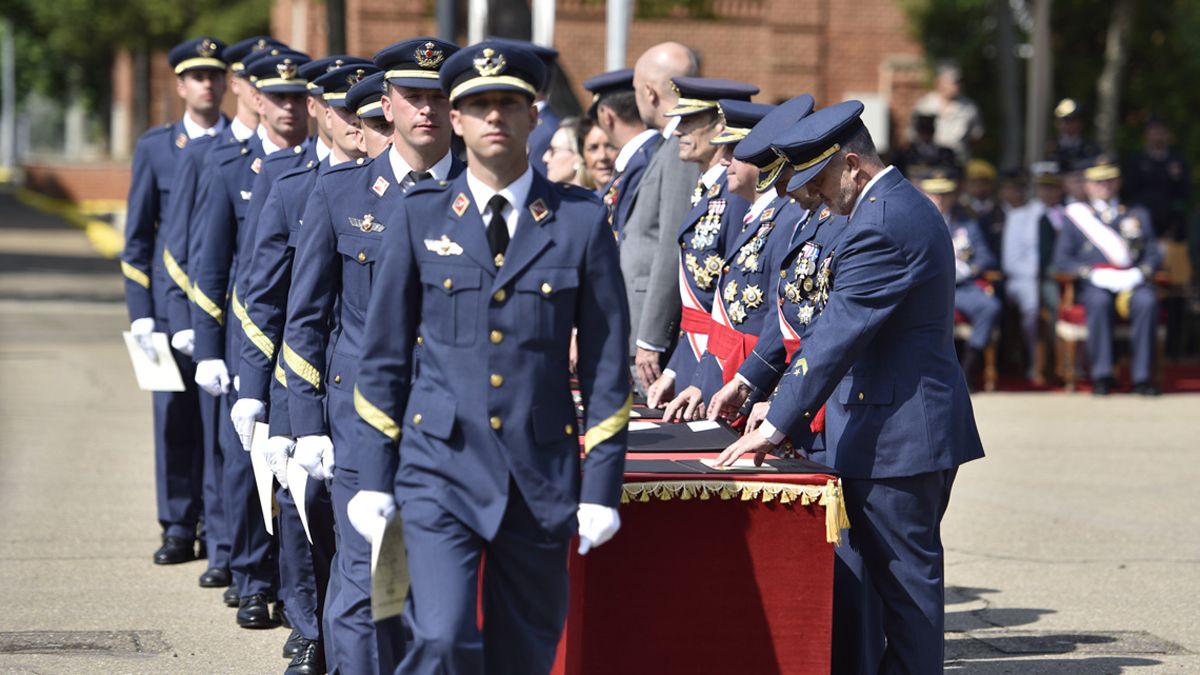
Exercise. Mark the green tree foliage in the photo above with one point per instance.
(1164, 61)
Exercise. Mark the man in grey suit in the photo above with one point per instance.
(649, 253)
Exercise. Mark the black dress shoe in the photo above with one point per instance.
(231, 597)
(309, 661)
(215, 577)
(1146, 389)
(1102, 386)
(255, 612)
(174, 550)
(294, 644)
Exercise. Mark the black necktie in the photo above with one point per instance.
(418, 176)
(497, 229)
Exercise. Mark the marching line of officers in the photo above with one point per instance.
(406, 322)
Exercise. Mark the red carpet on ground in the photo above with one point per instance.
(1177, 379)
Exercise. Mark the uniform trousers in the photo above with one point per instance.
(1102, 319)
(896, 526)
(304, 568)
(982, 311)
(216, 521)
(252, 551)
(179, 455)
(525, 592)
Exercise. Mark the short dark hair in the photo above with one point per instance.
(860, 143)
(622, 103)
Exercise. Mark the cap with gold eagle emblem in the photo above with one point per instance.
(279, 74)
(415, 63)
(318, 67)
(335, 84)
(237, 53)
(492, 66)
(198, 53)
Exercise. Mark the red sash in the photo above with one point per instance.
(696, 321)
(731, 346)
(818, 423)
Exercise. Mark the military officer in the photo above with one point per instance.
(1071, 147)
(344, 220)
(226, 192)
(1111, 248)
(317, 104)
(974, 298)
(493, 269)
(364, 99)
(704, 233)
(178, 435)
(888, 325)
(614, 107)
(740, 301)
(978, 198)
(548, 120)
(177, 247)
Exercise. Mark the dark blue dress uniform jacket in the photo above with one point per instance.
(704, 239)
(222, 204)
(154, 160)
(882, 356)
(345, 219)
(268, 277)
(626, 184)
(491, 398)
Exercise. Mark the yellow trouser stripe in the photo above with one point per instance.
(135, 275)
(609, 427)
(307, 371)
(205, 303)
(177, 274)
(375, 417)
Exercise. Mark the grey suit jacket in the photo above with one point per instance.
(650, 252)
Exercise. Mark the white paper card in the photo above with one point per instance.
(297, 479)
(263, 478)
(162, 375)
(642, 426)
(389, 569)
(745, 465)
(703, 425)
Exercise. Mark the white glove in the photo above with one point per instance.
(1129, 279)
(237, 382)
(367, 508)
(276, 451)
(597, 524)
(184, 341)
(962, 271)
(1107, 278)
(315, 454)
(212, 376)
(245, 412)
(142, 329)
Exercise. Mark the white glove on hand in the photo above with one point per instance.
(142, 329)
(212, 376)
(184, 341)
(597, 524)
(1130, 279)
(245, 412)
(1107, 278)
(276, 451)
(366, 508)
(315, 454)
(962, 271)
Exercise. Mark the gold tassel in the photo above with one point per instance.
(1124, 300)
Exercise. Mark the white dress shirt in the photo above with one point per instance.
(322, 150)
(401, 168)
(515, 193)
(268, 147)
(631, 147)
(194, 130)
(240, 131)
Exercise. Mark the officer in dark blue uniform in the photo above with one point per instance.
(973, 256)
(740, 301)
(177, 246)
(365, 99)
(317, 104)
(178, 435)
(226, 193)
(899, 419)
(493, 269)
(1110, 247)
(614, 107)
(705, 233)
(344, 220)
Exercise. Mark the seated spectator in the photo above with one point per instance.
(979, 200)
(923, 152)
(1020, 260)
(973, 297)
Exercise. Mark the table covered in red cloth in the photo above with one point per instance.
(710, 573)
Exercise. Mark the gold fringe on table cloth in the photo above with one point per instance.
(828, 495)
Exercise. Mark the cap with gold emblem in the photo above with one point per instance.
(236, 53)
(415, 63)
(317, 67)
(204, 52)
(492, 66)
(336, 83)
(364, 97)
(813, 141)
(938, 181)
(699, 94)
(756, 148)
(740, 117)
(1102, 168)
(279, 74)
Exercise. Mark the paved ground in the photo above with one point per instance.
(1074, 548)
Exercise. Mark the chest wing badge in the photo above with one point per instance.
(367, 224)
(443, 246)
(380, 186)
(246, 194)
